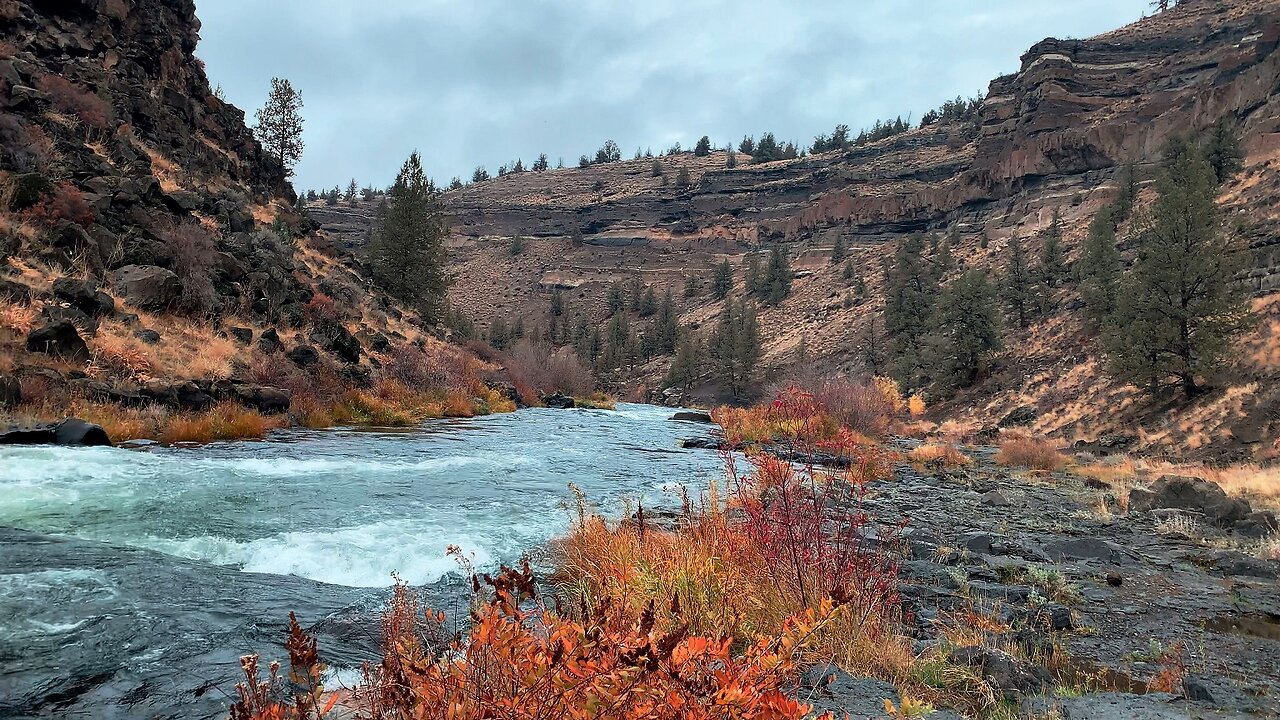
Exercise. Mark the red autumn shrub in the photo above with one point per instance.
(195, 251)
(538, 367)
(321, 307)
(92, 111)
(65, 203)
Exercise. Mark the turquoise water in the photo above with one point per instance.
(132, 581)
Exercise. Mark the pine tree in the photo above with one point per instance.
(1019, 287)
(1222, 149)
(776, 285)
(722, 282)
(839, 250)
(692, 288)
(279, 126)
(682, 178)
(1100, 268)
(517, 244)
(454, 184)
(703, 148)
(617, 336)
(1128, 193)
(648, 302)
(686, 368)
(657, 170)
(912, 293)
(665, 325)
(407, 252)
(751, 274)
(479, 175)
(541, 165)
(557, 303)
(943, 260)
(1053, 267)
(609, 152)
(352, 192)
(1179, 310)
(735, 346)
(731, 159)
(617, 299)
(969, 326)
(747, 146)
(767, 149)
(635, 295)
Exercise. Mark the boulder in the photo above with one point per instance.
(52, 313)
(10, 391)
(268, 400)
(84, 295)
(59, 339)
(148, 287)
(1258, 525)
(244, 336)
(702, 443)
(14, 291)
(73, 431)
(830, 689)
(692, 416)
(1083, 549)
(1014, 678)
(303, 356)
(1019, 417)
(269, 341)
(1172, 492)
(559, 401)
(335, 338)
(150, 337)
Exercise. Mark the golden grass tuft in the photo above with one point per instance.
(120, 355)
(225, 421)
(1029, 452)
(938, 454)
(597, 401)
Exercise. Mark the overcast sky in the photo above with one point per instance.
(482, 82)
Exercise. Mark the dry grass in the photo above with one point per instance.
(17, 319)
(938, 455)
(1268, 549)
(226, 421)
(1258, 483)
(121, 356)
(1028, 452)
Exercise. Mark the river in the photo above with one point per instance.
(131, 581)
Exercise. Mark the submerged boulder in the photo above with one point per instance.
(697, 416)
(559, 401)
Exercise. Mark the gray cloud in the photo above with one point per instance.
(487, 81)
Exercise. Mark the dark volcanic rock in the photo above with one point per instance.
(78, 432)
(84, 295)
(559, 401)
(147, 287)
(267, 400)
(303, 356)
(1108, 706)
(60, 339)
(1172, 492)
(1006, 673)
(692, 416)
(10, 391)
(269, 341)
(244, 336)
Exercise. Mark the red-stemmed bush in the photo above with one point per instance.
(92, 111)
(64, 203)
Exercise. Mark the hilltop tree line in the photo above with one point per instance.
(1163, 301)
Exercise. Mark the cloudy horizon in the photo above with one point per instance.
(489, 82)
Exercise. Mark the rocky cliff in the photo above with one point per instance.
(149, 248)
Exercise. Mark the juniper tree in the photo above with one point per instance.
(352, 190)
(703, 148)
(767, 149)
(479, 175)
(722, 282)
(731, 158)
(657, 170)
(540, 165)
(776, 283)
(1222, 150)
(279, 126)
(617, 299)
(735, 346)
(912, 291)
(454, 184)
(407, 252)
(557, 303)
(1018, 290)
(1099, 268)
(635, 294)
(751, 274)
(686, 368)
(839, 249)
(968, 327)
(664, 325)
(1128, 196)
(609, 152)
(517, 244)
(1179, 310)
(648, 302)
(747, 146)
(1053, 267)
(682, 178)
(692, 288)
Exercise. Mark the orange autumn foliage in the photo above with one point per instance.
(523, 660)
